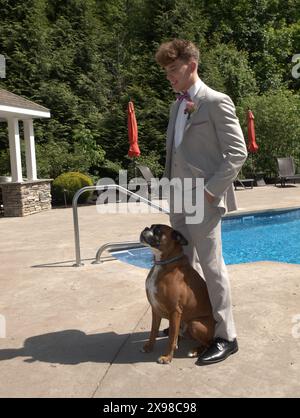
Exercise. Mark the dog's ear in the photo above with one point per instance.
(177, 236)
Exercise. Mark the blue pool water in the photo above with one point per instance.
(269, 236)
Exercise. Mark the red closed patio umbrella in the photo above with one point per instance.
(134, 150)
(252, 145)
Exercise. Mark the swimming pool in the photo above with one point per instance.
(268, 236)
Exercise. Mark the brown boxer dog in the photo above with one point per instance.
(176, 292)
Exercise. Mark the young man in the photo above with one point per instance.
(204, 140)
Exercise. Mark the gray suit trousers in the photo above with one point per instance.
(204, 251)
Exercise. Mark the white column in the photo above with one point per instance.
(30, 149)
(14, 149)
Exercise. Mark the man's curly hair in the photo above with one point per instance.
(169, 52)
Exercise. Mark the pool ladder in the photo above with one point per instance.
(113, 246)
(248, 219)
(110, 245)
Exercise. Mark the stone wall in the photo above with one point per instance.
(26, 198)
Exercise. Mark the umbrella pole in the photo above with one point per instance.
(134, 164)
(134, 168)
(252, 165)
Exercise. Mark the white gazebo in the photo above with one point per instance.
(13, 110)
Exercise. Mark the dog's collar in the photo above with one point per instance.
(168, 260)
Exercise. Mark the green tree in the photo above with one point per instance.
(276, 126)
(227, 69)
(85, 59)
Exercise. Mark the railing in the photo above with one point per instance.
(126, 245)
(102, 187)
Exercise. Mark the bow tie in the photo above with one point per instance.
(181, 96)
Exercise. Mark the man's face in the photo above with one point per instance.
(179, 74)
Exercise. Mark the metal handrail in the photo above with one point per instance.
(102, 187)
(126, 245)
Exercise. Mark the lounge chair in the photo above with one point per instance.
(286, 170)
(243, 183)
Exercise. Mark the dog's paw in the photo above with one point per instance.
(147, 348)
(164, 360)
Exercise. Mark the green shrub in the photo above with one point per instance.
(151, 160)
(109, 169)
(54, 158)
(70, 183)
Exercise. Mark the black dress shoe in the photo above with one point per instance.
(219, 350)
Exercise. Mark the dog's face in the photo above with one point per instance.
(162, 238)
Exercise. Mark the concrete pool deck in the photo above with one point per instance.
(76, 332)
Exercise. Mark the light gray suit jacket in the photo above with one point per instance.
(213, 145)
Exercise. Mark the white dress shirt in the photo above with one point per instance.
(181, 116)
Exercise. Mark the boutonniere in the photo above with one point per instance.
(189, 108)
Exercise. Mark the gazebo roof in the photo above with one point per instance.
(12, 105)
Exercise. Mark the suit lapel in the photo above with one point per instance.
(198, 100)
